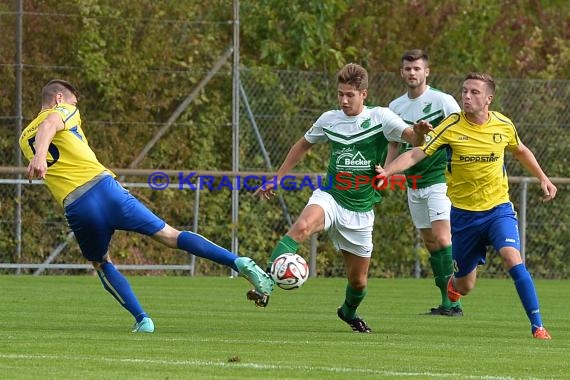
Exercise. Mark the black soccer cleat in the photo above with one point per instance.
(260, 299)
(357, 324)
(455, 311)
(440, 310)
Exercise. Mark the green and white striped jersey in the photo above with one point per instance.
(358, 143)
(433, 106)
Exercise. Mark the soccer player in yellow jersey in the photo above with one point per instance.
(96, 204)
(475, 141)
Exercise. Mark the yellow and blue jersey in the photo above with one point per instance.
(71, 162)
(475, 173)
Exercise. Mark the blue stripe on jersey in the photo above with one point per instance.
(76, 132)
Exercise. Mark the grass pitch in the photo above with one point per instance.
(68, 327)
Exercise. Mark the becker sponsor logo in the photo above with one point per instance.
(351, 161)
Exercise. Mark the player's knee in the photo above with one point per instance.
(358, 282)
(431, 245)
(511, 257)
(167, 236)
(437, 242)
(443, 241)
(97, 264)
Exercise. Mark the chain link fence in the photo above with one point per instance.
(276, 109)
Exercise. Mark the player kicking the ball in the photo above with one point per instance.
(359, 137)
(96, 204)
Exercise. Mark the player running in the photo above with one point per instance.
(481, 213)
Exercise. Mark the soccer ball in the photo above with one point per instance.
(289, 271)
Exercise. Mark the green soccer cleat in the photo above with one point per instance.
(145, 326)
(263, 284)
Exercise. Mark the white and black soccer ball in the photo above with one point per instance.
(289, 271)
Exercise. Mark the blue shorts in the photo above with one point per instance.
(104, 208)
(473, 231)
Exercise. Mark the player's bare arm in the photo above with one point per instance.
(402, 162)
(415, 135)
(525, 156)
(296, 154)
(393, 149)
(37, 167)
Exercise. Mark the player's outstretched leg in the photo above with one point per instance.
(258, 278)
(246, 267)
(198, 245)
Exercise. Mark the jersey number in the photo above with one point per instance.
(52, 150)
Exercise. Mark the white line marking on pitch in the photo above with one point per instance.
(206, 363)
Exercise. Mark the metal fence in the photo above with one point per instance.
(276, 107)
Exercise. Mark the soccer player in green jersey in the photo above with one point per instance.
(358, 136)
(481, 213)
(427, 200)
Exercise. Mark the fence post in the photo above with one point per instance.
(195, 222)
(522, 216)
(19, 127)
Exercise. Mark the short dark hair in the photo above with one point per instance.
(354, 75)
(414, 55)
(57, 85)
(488, 79)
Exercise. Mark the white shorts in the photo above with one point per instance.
(349, 231)
(429, 204)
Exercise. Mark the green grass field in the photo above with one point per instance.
(61, 327)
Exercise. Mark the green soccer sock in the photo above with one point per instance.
(442, 266)
(352, 300)
(285, 245)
